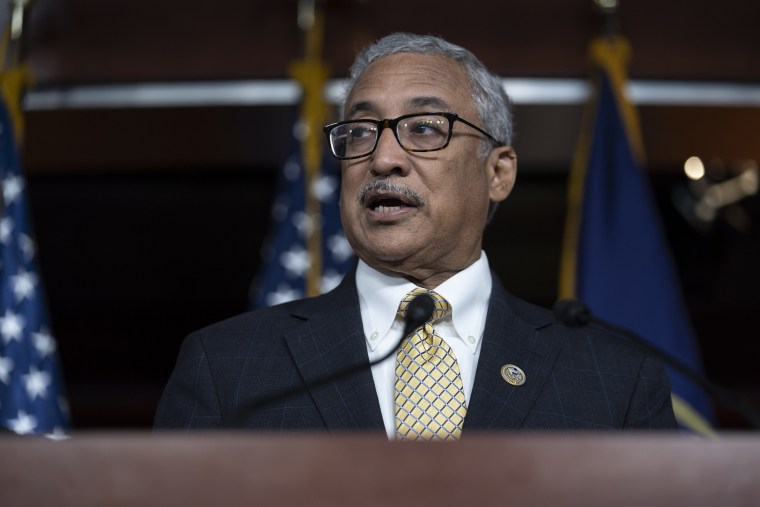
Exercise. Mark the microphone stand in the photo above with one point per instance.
(419, 311)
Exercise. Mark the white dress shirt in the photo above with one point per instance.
(468, 293)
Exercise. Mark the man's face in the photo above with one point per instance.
(434, 232)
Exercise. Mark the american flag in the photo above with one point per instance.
(286, 256)
(31, 397)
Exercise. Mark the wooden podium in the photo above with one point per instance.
(227, 469)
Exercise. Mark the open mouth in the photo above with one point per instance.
(381, 197)
(384, 203)
(387, 205)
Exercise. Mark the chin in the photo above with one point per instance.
(389, 255)
(383, 252)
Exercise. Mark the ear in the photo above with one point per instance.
(502, 172)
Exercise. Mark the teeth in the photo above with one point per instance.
(387, 209)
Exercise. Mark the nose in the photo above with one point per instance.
(389, 157)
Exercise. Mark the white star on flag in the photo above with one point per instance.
(6, 228)
(296, 261)
(36, 383)
(292, 170)
(6, 367)
(283, 294)
(12, 187)
(63, 404)
(303, 223)
(339, 247)
(23, 285)
(57, 435)
(300, 129)
(280, 208)
(11, 326)
(324, 187)
(23, 424)
(27, 246)
(44, 343)
(330, 280)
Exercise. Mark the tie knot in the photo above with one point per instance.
(442, 307)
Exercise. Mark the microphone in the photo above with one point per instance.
(575, 313)
(419, 311)
(572, 312)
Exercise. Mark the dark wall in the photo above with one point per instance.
(134, 262)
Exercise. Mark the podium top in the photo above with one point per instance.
(355, 469)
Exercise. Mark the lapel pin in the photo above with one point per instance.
(513, 375)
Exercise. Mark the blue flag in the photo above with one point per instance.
(31, 395)
(287, 256)
(617, 258)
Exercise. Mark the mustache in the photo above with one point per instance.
(392, 188)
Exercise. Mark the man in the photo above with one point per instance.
(426, 156)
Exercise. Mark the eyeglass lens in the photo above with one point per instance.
(415, 133)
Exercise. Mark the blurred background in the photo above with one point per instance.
(150, 181)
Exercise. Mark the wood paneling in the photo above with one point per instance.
(123, 40)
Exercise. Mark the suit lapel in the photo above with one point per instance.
(510, 337)
(331, 339)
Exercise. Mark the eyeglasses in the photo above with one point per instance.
(414, 132)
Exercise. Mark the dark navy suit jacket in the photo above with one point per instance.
(576, 378)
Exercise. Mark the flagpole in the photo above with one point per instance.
(15, 77)
(311, 72)
(615, 255)
(610, 52)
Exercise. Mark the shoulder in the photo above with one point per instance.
(262, 321)
(593, 378)
(274, 321)
(250, 321)
(578, 344)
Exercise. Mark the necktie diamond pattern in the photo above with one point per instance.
(430, 403)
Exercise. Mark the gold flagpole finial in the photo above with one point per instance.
(609, 9)
(607, 5)
(17, 18)
(15, 77)
(306, 14)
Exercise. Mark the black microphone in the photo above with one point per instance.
(572, 312)
(575, 313)
(419, 311)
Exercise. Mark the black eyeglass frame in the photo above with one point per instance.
(393, 124)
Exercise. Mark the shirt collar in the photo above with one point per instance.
(468, 292)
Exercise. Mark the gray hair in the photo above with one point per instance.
(492, 104)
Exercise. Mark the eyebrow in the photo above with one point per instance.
(417, 102)
(436, 102)
(364, 106)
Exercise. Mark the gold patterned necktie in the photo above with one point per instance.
(430, 403)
